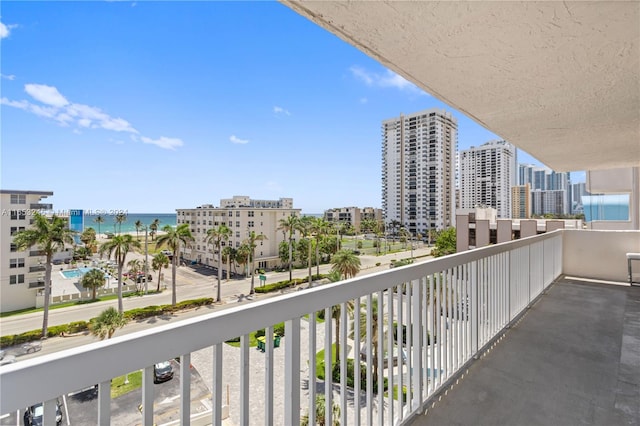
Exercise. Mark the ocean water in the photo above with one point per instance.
(110, 225)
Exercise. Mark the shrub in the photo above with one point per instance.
(335, 374)
(378, 263)
(359, 245)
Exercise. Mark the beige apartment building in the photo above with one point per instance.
(21, 272)
(242, 215)
(353, 215)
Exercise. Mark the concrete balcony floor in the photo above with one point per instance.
(573, 359)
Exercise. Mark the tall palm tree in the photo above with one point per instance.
(346, 263)
(99, 219)
(251, 242)
(229, 256)
(172, 238)
(305, 226)
(120, 245)
(216, 236)
(154, 228)
(135, 267)
(377, 332)
(120, 219)
(138, 225)
(93, 279)
(50, 236)
(159, 261)
(320, 228)
(242, 255)
(289, 225)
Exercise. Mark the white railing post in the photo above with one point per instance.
(104, 403)
(416, 372)
(244, 380)
(292, 373)
(328, 367)
(147, 396)
(216, 414)
(312, 368)
(185, 390)
(357, 361)
(475, 309)
(268, 379)
(343, 363)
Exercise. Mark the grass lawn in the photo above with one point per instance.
(118, 388)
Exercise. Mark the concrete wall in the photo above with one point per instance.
(599, 254)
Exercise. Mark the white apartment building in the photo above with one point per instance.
(419, 170)
(242, 215)
(487, 174)
(542, 179)
(353, 215)
(21, 272)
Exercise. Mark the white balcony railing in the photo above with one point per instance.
(451, 307)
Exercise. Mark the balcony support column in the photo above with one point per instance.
(104, 403)
(147, 396)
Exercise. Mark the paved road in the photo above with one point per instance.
(190, 285)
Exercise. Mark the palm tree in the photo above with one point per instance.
(138, 225)
(99, 219)
(105, 324)
(305, 226)
(320, 409)
(251, 242)
(159, 261)
(120, 219)
(50, 236)
(320, 228)
(243, 253)
(93, 279)
(377, 332)
(229, 256)
(346, 263)
(135, 267)
(289, 225)
(172, 238)
(154, 228)
(216, 236)
(120, 245)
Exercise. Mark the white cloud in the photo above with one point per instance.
(8, 76)
(65, 113)
(46, 94)
(4, 30)
(236, 139)
(280, 110)
(387, 80)
(364, 100)
(163, 142)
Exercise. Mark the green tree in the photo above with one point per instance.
(120, 218)
(346, 263)
(229, 256)
(94, 279)
(320, 411)
(306, 228)
(159, 261)
(251, 242)
(135, 267)
(320, 228)
(99, 220)
(120, 245)
(154, 228)
(445, 243)
(377, 331)
(243, 253)
(88, 235)
(138, 226)
(105, 324)
(289, 226)
(172, 238)
(49, 236)
(216, 236)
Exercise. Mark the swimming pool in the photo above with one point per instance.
(76, 273)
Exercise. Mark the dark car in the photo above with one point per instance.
(33, 415)
(162, 372)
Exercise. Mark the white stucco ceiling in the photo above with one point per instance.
(561, 80)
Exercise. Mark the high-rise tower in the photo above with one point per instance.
(419, 170)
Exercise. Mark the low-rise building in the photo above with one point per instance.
(242, 215)
(353, 215)
(21, 272)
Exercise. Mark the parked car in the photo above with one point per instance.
(6, 359)
(31, 347)
(33, 415)
(162, 372)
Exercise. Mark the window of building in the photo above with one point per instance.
(13, 247)
(16, 263)
(250, 224)
(250, 214)
(16, 279)
(230, 224)
(237, 234)
(18, 199)
(237, 224)
(238, 213)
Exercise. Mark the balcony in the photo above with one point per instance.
(454, 310)
(37, 268)
(36, 284)
(40, 206)
(36, 253)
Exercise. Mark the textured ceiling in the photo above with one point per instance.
(561, 80)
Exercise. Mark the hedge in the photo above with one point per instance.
(79, 326)
(286, 284)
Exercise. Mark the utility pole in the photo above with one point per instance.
(146, 256)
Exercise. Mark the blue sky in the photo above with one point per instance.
(153, 106)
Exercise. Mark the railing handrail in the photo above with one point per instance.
(49, 374)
